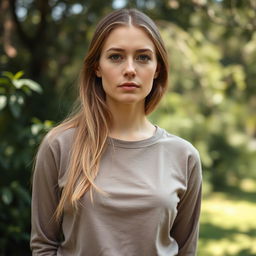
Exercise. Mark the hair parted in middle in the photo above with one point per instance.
(92, 120)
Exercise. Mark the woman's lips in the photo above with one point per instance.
(129, 85)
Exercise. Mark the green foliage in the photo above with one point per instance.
(207, 104)
(14, 90)
(20, 135)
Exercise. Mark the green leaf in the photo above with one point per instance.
(8, 74)
(2, 90)
(7, 196)
(36, 128)
(15, 103)
(3, 101)
(26, 90)
(35, 120)
(34, 86)
(48, 124)
(4, 81)
(18, 75)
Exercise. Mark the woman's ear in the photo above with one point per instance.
(97, 71)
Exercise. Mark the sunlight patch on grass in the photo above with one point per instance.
(225, 247)
(229, 214)
(228, 227)
(248, 185)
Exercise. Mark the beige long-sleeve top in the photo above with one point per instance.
(153, 207)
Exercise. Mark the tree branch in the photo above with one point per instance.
(8, 26)
(23, 36)
(44, 9)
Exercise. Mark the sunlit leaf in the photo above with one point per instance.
(18, 75)
(36, 128)
(8, 74)
(48, 124)
(34, 86)
(3, 101)
(35, 120)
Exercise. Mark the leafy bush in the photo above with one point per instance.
(20, 135)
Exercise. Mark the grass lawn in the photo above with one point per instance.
(228, 224)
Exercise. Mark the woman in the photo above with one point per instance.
(107, 181)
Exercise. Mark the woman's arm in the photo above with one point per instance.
(186, 225)
(45, 233)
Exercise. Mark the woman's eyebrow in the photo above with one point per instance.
(123, 50)
(145, 50)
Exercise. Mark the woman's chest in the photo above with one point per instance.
(137, 180)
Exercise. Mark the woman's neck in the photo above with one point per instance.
(130, 122)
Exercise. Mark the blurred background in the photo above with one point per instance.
(211, 102)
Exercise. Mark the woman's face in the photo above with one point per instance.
(127, 65)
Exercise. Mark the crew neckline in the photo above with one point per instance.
(136, 143)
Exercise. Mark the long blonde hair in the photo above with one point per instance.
(92, 119)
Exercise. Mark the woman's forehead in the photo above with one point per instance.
(128, 37)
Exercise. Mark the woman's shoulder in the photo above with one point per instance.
(178, 144)
(58, 139)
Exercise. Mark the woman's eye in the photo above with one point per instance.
(143, 58)
(115, 57)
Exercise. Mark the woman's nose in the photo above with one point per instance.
(129, 69)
